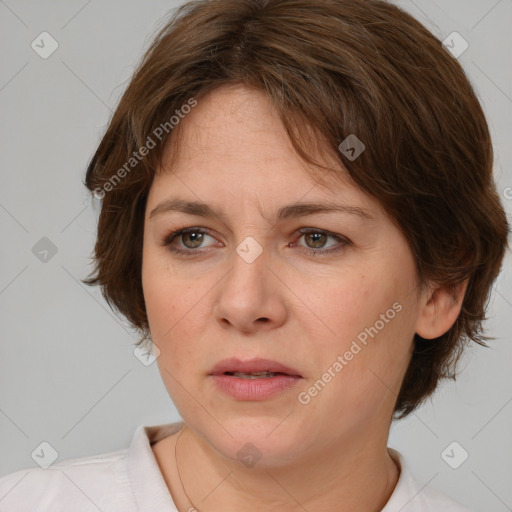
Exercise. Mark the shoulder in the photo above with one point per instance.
(92, 483)
(412, 496)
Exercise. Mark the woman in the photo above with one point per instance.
(299, 215)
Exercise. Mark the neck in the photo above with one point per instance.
(347, 478)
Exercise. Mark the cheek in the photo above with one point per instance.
(367, 319)
(369, 295)
(176, 308)
(164, 294)
(345, 305)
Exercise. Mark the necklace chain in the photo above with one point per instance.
(179, 475)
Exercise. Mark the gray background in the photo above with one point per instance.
(68, 374)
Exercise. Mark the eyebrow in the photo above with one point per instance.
(201, 209)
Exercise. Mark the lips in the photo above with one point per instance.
(258, 365)
(254, 380)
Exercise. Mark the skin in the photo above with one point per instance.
(289, 305)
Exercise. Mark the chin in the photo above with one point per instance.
(262, 442)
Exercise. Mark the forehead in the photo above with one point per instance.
(235, 138)
(231, 122)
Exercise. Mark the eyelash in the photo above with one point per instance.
(168, 240)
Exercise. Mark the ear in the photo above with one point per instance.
(440, 309)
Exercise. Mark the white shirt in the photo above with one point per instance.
(129, 480)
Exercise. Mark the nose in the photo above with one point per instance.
(251, 296)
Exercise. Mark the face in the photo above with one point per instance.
(331, 295)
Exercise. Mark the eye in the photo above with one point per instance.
(191, 238)
(317, 238)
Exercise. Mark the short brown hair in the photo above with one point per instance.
(342, 67)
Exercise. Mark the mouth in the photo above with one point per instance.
(254, 375)
(253, 380)
(253, 369)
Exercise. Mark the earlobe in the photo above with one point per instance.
(440, 310)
